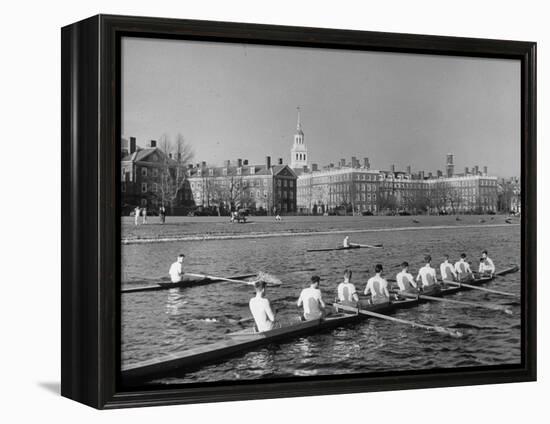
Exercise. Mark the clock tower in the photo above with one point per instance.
(298, 153)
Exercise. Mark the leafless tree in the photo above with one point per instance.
(173, 176)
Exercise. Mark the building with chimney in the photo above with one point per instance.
(265, 188)
(151, 178)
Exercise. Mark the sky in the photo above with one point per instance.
(234, 101)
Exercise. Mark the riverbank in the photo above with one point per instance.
(219, 228)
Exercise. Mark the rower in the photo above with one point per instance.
(447, 269)
(176, 270)
(346, 243)
(346, 290)
(405, 281)
(486, 265)
(427, 275)
(463, 269)
(377, 286)
(312, 300)
(261, 309)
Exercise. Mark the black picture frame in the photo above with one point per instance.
(90, 200)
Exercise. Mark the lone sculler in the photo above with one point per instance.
(486, 265)
(447, 269)
(405, 280)
(377, 286)
(427, 275)
(176, 269)
(312, 300)
(463, 269)
(346, 290)
(346, 244)
(261, 309)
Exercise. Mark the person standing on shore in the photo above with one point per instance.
(137, 212)
(144, 215)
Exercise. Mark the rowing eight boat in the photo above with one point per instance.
(246, 340)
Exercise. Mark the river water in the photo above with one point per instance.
(163, 322)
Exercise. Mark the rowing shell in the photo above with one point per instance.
(353, 246)
(245, 340)
(188, 281)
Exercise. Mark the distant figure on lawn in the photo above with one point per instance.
(278, 218)
(137, 212)
(144, 214)
(162, 214)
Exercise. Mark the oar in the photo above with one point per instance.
(436, 328)
(491, 306)
(454, 283)
(371, 246)
(271, 280)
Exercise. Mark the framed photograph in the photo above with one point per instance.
(254, 211)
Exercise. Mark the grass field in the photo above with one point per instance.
(188, 228)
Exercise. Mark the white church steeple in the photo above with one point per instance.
(298, 153)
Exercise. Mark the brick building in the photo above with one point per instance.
(151, 178)
(264, 188)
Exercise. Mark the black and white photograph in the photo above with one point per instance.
(303, 212)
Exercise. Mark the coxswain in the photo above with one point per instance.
(405, 280)
(377, 286)
(447, 269)
(176, 269)
(312, 300)
(346, 289)
(427, 275)
(487, 266)
(261, 309)
(463, 269)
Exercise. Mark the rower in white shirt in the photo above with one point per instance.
(486, 265)
(312, 300)
(346, 244)
(377, 286)
(405, 281)
(346, 290)
(447, 269)
(463, 269)
(427, 275)
(176, 269)
(261, 309)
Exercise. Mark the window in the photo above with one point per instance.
(143, 172)
(155, 187)
(144, 187)
(155, 172)
(239, 171)
(291, 183)
(284, 183)
(143, 202)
